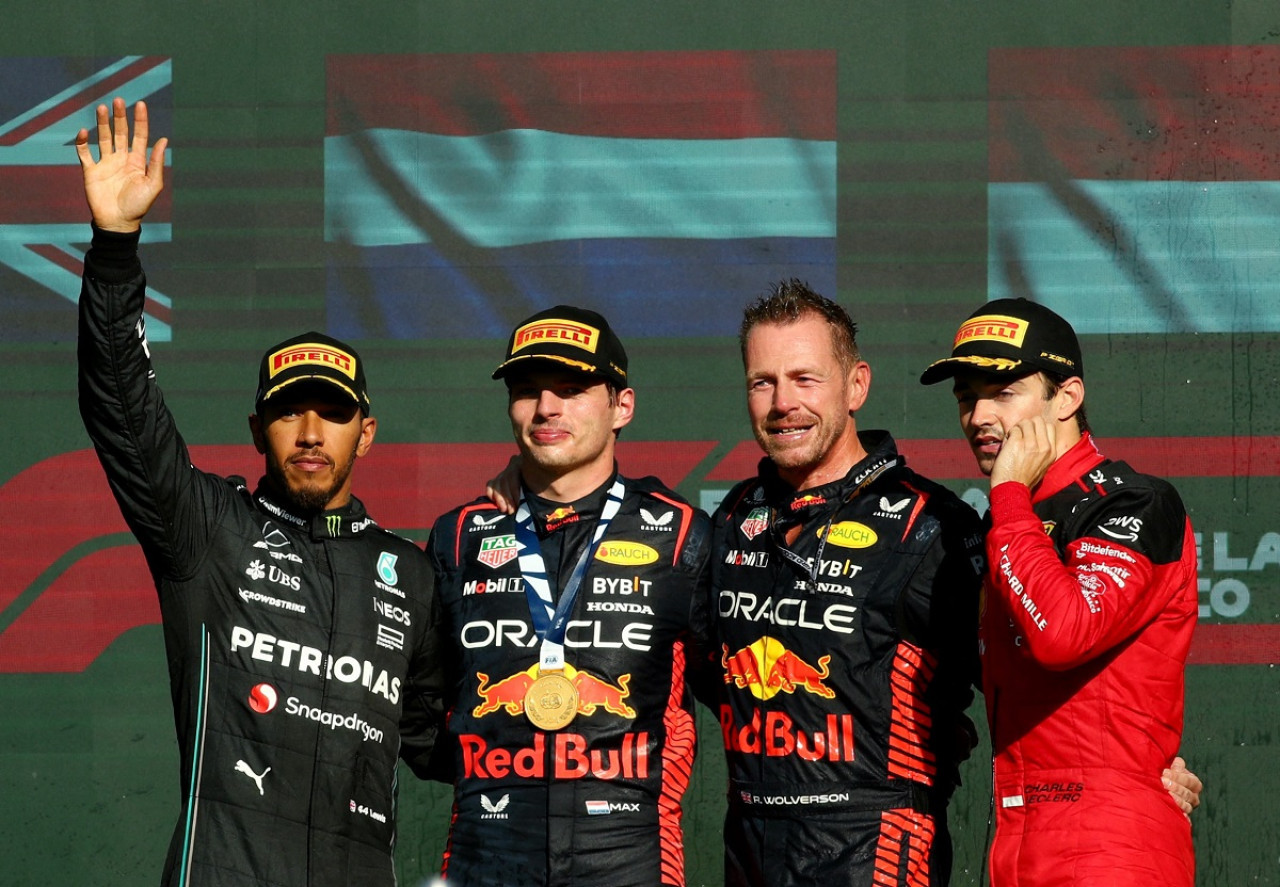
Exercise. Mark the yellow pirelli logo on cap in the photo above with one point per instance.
(992, 328)
(566, 332)
(313, 355)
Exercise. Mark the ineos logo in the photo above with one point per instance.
(391, 611)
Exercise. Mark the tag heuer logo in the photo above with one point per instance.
(497, 550)
(756, 523)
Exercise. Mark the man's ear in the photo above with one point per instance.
(1070, 398)
(859, 385)
(368, 428)
(256, 432)
(625, 408)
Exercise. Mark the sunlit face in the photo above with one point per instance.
(565, 422)
(311, 441)
(800, 400)
(990, 406)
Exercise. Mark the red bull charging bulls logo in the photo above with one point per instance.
(767, 668)
(593, 693)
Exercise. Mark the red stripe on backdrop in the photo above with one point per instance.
(1190, 113)
(42, 195)
(678, 95)
(65, 502)
(73, 103)
(1235, 645)
(1161, 456)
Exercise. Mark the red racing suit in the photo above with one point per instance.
(1089, 609)
(598, 801)
(849, 656)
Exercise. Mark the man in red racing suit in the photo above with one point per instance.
(1090, 604)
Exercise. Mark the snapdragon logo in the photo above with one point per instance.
(333, 720)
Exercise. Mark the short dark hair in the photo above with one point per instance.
(1054, 381)
(789, 301)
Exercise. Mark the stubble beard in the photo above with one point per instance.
(307, 496)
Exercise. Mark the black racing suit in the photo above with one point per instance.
(295, 645)
(847, 672)
(596, 802)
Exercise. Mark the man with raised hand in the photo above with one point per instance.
(300, 636)
(1090, 605)
(847, 589)
(571, 624)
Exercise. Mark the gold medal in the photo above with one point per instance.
(552, 701)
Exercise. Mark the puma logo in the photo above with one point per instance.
(242, 767)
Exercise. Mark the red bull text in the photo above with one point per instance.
(778, 737)
(570, 758)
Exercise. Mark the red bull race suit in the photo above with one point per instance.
(1088, 617)
(596, 801)
(849, 657)
(295, 644)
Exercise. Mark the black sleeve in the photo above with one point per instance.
(438, 765)
(940, 609)
(940, 614)
(422, 717)
(166, 502)
(702, 661)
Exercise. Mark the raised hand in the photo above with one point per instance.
(122, 184)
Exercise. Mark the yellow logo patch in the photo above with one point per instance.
(992, 328)
(314, 355)
(626, 554)
(579, 335)
(851, 534)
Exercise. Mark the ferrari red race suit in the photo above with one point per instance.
(598, 800)
(849, 656)
(1089, 610)
(297, 645)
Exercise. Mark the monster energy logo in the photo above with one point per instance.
(334, 523)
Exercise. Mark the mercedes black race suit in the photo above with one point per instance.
(294, 645)
(847, 621)
(596, 801)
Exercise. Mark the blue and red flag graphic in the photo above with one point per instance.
(665, 189)
(44, 223)
(1135, 190)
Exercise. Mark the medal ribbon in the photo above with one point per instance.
(551, 620)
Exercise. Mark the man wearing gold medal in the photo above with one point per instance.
(571, 624)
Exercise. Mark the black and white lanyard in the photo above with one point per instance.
(812, 567)
(550, 620)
